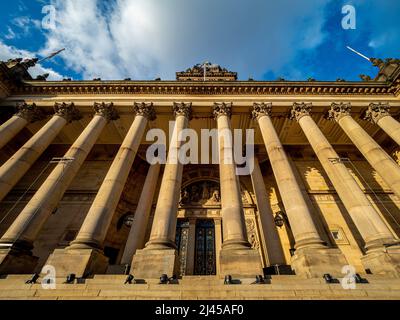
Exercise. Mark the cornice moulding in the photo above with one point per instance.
(205, 88)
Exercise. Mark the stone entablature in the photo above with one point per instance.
(207, 88)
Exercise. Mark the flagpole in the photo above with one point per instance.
(360, 54)
(52, 55)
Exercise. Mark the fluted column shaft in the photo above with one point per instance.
(369, 223)
(16, 167)
(378, 113)
(165, 217)
(30, 221)
(94, 228)
(232, 214)
(26, 113)
(272, 242)
(384, 165)
(303, 228)
(136, 238)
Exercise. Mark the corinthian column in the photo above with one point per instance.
(272, 242)
(384, 165)
(85, 253)
(378, 113)
(28, 224)
(137, 233)
(232, 213)
(26, 114)
(16, 167)
(236, 256)
(160, 256)
(312, 257)
(367, 220)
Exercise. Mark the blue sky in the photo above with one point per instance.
(146, 39)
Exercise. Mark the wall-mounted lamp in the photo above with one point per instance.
(279, 219)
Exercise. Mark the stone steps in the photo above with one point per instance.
(205, 288)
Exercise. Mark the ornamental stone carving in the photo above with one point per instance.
(201, 193)
(106, 110)
(339, 110)
(67, 111)
(183, 109)
(377, 111)
(261, 110)
(396, 156)
(300, 110)
(145, 110)
(222, 109)
(30, 112)
(252, 233)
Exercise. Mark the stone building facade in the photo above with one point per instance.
(77, 193)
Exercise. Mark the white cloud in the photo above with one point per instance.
(10, 34)
(382, 23)
(8, 52)
(144, 39)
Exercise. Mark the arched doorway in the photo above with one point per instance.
(199, 230)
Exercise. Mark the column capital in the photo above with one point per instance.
(222, 109)
(377, 111)
(339, 110)
(145, 110)
(261, 110)
(30, 112)
(106, 110)
(67, 111)
(299, 110)
(183, 109)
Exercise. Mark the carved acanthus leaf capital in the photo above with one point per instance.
(30, 112)
(339, 110)
(145, 110)
(222, 109)
(106, 110)
(67, 111)
(300, 110)
(183, 109)
(377, 111)
(261, 110)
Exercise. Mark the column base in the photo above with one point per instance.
(151, 264)
(240, 263)
(81, 262)
(385, 261)
(315, 262)
(17, 262)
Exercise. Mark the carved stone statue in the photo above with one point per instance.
(206, 191)
(42, 77)
(185, 198)
(216, 196)
(364, 77)
(200, 193)
(28, 63)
